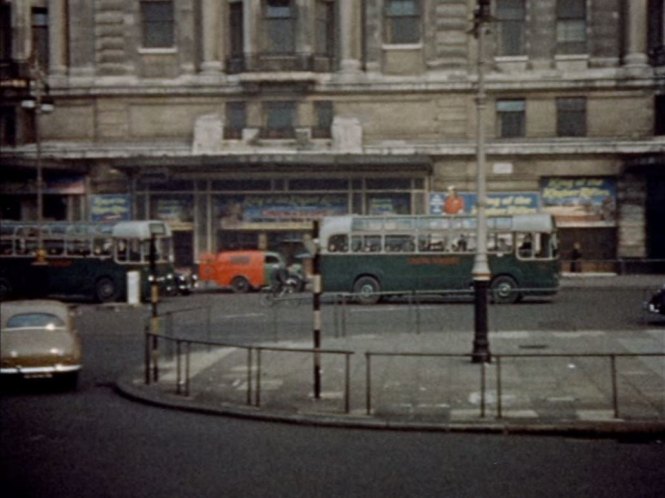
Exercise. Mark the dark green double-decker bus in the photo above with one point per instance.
(371, 256)
(89, 260)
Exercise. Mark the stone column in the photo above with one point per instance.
(213, 44)
(57, 41)
(184, 15)
(373, 34)
(349, 21)
(636, 34)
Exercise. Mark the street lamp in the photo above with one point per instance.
(481, 271)
(40, 103)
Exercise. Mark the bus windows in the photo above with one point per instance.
(432, 243)
(366, 243)
(54, 247)
(338, 243)
(525, 245)
(500, 242)
(26, 241)
(547, 246)
(164, 250)
(102, 247)
(399, 243)
(122, 250)
(464, 242)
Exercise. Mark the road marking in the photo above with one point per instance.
(198, 361)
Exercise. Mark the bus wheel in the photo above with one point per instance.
(106, 290)
(367, 290)
(5, 289)
(504, 290)
(240, 285)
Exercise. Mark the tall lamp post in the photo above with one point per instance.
(40, 103)
(481, 271)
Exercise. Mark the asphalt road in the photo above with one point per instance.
(95, 443)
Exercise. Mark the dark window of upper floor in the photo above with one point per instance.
(158, 24)
(324, 43)
(571, 26)
(236, 120)
(236, 62)
(40, 45)
(511, 118)
(659, 115)
(402, 21)
(510, 17)
(280, 119)
(236, 37)
(571, 117)
(5, 32)
(656, 32)
(8, 125)
(279, 22)
(324, 114)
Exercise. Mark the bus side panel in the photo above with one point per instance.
(397, 273)
(434, 272)
(535, 277)
(24, 278)
(79, 276)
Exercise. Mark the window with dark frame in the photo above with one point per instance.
(402, 21)
(511, 38)
(511, 118)
(8, 125)
(659, 115)
(5, 32)
(40, 42)
(656, 32)
(571, 26)
(157, 22)
(280, 119)
(324, 114)
(236, 120)
(324, 43)
(279, 27)
(571, 117)
(236, 36)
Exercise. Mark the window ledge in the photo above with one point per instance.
(402, 46)
(158, 51)
(571, 57)
(511, 58)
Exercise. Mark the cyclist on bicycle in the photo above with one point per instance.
(278, 279)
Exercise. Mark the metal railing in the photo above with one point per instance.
(183, 348)
(611, 358)
(499, 361)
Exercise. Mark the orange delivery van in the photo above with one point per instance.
(242, 271)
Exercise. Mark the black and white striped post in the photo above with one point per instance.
(316, 305)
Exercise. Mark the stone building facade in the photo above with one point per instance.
(241, 121)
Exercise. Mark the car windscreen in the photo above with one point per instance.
(31, 320)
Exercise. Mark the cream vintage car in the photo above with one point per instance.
(39, 339)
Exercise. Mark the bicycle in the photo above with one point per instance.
(280, 292)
